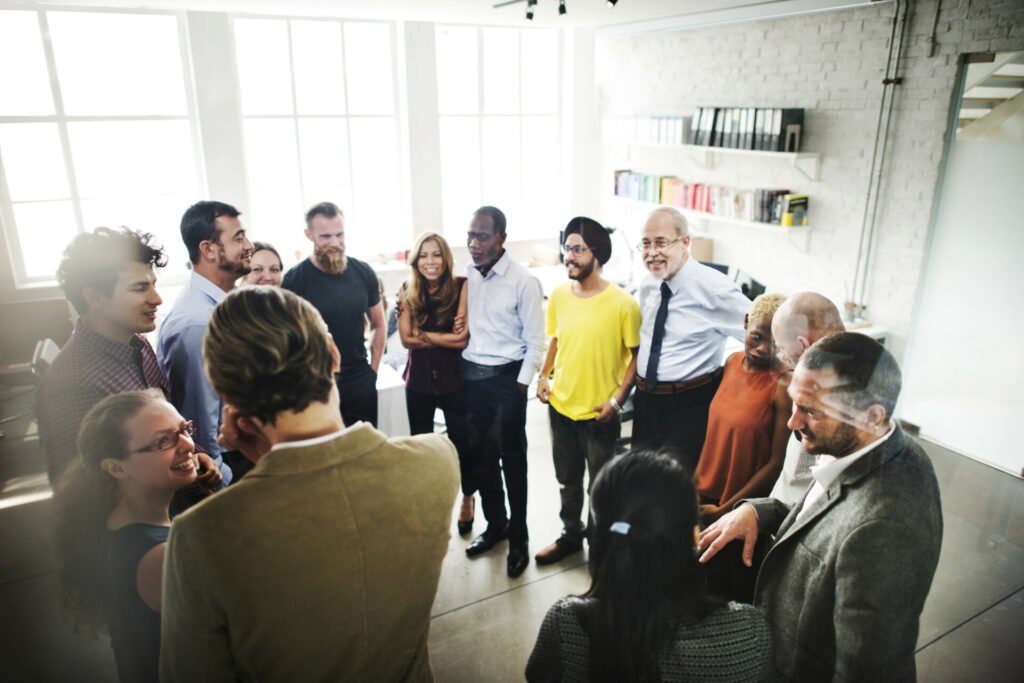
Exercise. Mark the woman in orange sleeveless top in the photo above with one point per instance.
(747, 432)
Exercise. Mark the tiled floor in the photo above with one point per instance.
(485, 624)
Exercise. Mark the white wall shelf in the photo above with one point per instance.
(808, 163)
(797, 235)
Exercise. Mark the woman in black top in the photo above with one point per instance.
(111, 525)
(648, 615)
(432, 324)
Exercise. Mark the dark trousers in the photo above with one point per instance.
(677, 422)
(497, 436)
(357, 387)
(421, 409)
(576, 446)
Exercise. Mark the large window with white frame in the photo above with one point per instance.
(320, 123)
(499, 106)
(96, 128)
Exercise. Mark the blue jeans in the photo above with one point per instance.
(576, 446)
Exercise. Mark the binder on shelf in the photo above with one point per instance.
(695, 126)
(737, 127)
(785, 131)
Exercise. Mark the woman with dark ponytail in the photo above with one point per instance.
(648, 615)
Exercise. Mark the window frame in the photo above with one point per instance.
(448, 223)
(19, 277)
(398, 115)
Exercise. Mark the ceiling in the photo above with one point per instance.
(580, 13)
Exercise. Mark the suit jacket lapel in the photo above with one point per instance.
(869, 462)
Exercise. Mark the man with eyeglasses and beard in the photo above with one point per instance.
(344, 290)
(220, 253)
(688, 311)
(595, 331)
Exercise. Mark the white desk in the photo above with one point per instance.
(392, 418)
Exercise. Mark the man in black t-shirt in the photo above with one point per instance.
(343, 290)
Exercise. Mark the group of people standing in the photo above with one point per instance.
(322, 558)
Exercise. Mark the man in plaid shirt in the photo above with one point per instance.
(108, 277)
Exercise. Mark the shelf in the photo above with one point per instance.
(700, 219)
(808, 163)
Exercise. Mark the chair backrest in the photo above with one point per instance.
(45, 353)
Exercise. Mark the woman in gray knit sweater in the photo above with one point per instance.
(647, 615)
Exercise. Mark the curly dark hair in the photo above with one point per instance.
(267, 350)
(94, 259)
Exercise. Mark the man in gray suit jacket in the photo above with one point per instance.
(845, 579)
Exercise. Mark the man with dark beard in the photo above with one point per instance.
(595, 331)
(220, 254)
(688, 312)
(850, 564)
(343, 290)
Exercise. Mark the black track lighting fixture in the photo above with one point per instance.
(611, 3)
(529, 9)
(561, 6)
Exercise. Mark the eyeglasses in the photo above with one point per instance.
(660, 245)
(481, 237)
(169, 440)
(575, 250)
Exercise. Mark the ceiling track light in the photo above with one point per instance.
(611, 3)
(561, 6)
(529, 9)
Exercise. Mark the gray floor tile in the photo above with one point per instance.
(987, 648)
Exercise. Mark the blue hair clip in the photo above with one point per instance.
(620, 528)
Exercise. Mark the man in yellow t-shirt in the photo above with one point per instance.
(595, 331)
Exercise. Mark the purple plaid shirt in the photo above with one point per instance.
(88, 368)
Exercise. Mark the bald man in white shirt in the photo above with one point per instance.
(801, 320)
(688, 311)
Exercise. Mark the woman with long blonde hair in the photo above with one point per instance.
(432, 324)
(135, 452)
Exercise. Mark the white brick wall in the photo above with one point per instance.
(832, 65)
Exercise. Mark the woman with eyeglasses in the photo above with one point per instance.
(432, 324)
(647, 615)
(111, 523)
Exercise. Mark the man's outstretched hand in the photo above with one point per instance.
(741, 523)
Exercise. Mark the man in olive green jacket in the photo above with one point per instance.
(323, 562)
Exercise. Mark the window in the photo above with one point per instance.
(95, 129)
(318, 101)
(499, 115)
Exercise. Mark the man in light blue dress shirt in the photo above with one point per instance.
(506, 342)
(679, 367)
(219, 251)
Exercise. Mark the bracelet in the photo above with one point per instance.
(615, 404)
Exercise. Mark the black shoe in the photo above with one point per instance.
(485, 541)
(518, 559)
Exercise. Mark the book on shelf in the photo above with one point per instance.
(763, 205)
(794, 210)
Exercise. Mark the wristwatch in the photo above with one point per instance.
(615, 404)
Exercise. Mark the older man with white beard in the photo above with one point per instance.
(688, 311)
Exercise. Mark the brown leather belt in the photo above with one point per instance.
(678, 387)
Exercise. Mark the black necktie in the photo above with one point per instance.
(651, 378)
